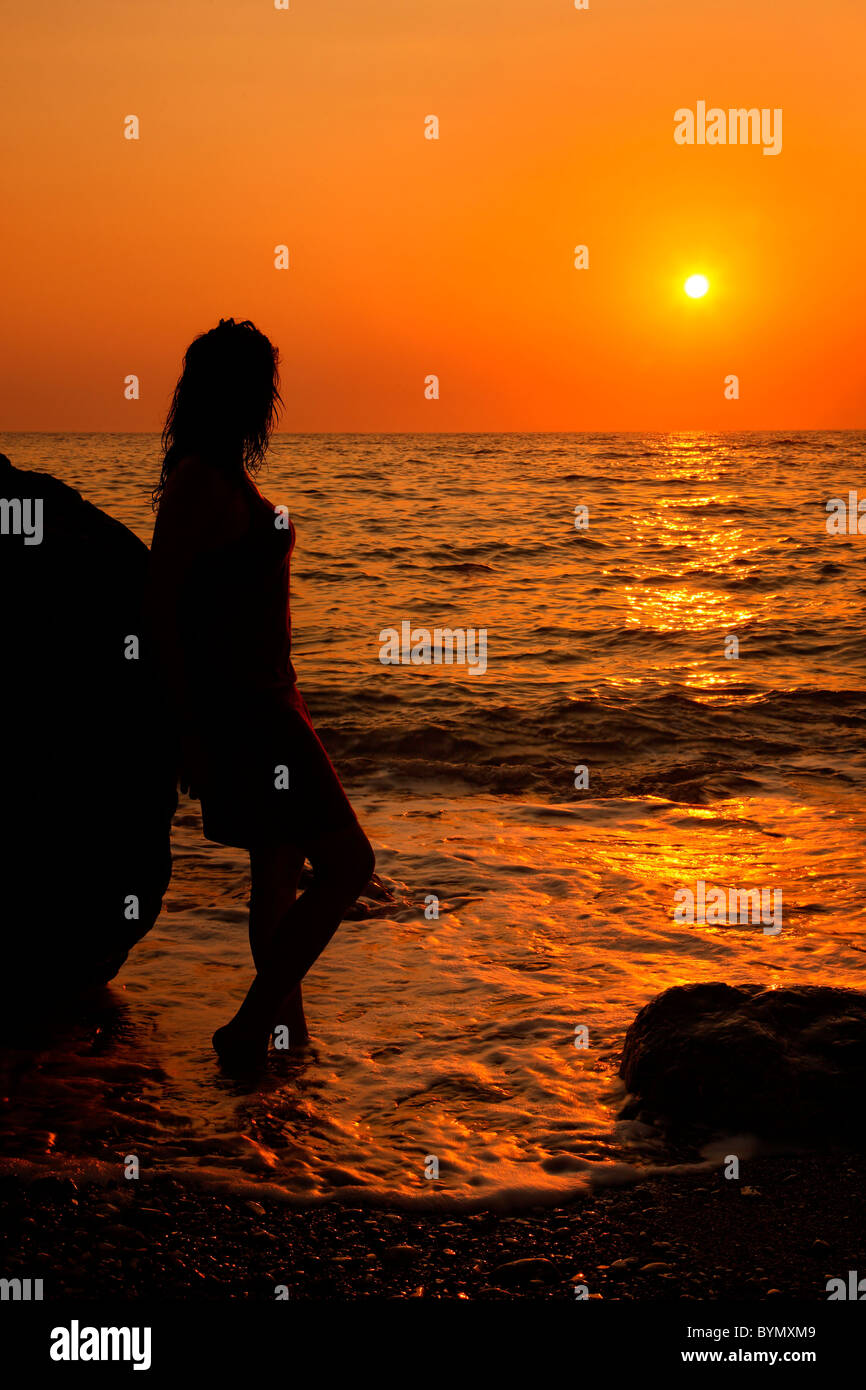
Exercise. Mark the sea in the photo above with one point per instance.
(674, 694)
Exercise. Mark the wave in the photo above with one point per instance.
(654, 743)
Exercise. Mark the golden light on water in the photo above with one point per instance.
(696, 286)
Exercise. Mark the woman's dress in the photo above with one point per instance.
(267, 779)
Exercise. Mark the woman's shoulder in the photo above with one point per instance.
(194, 476)
(200, 499)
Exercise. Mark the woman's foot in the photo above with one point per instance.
(290, 1037)
(292, 1021)
(290, 1027)
(239, 1051)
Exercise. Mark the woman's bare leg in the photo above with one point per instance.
(343, 864)
(274, 875)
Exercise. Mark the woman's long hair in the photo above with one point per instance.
(226, 402)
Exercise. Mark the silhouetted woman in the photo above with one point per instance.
(218, 612)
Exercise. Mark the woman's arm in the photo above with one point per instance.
(199, 511)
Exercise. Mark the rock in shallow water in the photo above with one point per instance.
(88, 781)
(531, 1267)
(776, 1062)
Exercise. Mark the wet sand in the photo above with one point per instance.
(791, 1223)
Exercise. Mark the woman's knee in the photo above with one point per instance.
(357, 862)
(365, 862)
(345, 861)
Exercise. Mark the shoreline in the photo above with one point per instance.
(779, 1233)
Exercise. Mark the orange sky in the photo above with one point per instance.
(454, 257)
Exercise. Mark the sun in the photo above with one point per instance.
(696, 286)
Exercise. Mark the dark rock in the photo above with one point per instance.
(777, 1062)
(518, 1271)
(52, 1188)
(399, 1254)
(88, 775)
